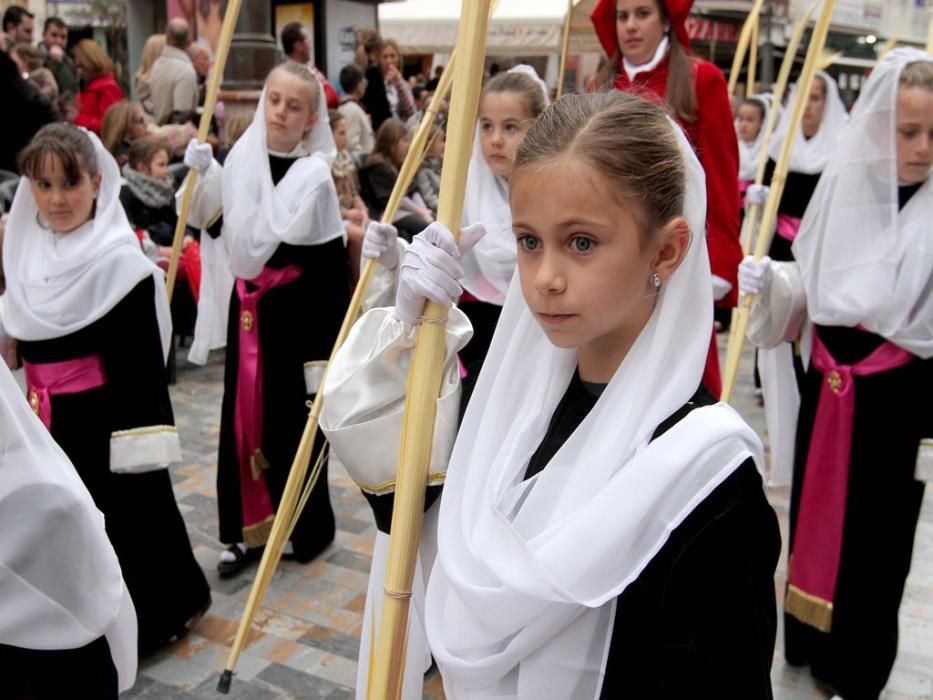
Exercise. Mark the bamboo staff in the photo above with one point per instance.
(210, 101)
(752, 60)
(742, 46)
(385, 681)
(296, 491)
(564, 46)
(751, 215)
(930, 36)
(737, 339)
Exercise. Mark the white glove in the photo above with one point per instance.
(379, 243)
(756, 194)
(721, 287)
(755, 277)
(199, 156)
(431, 270)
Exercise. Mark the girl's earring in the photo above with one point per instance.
(656, 280)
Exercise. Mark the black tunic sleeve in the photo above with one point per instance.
(131, 348)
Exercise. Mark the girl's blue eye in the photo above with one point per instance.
(528, 243)
(581, 244)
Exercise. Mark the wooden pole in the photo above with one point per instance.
(385, 682)
(296, 488)
(737, 339)
(564, 46)
(930, 36)
(742, 45)
(752, 59)
(210, 101)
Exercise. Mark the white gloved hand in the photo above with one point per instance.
(199, 156)
(755, 277)
(721, 287)
(431, 271)
(379, 243)
(756, 194)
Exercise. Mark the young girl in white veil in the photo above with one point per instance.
(862, 275)
(274, 207)
(509, 104)
(603, 531)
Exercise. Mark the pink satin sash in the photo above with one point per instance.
(258, 511)
(743, 190)
(787, 227)
(54, 378)
(817, 545)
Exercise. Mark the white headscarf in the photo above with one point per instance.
(750, 153)
(521, 600)
(489, 266)
(811, 155)
(57, 284)
(60, 583)
(302, 209)
(863, 262)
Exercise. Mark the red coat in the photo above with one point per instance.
(713, 138)
(95, 99)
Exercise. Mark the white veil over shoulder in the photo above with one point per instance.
(749, 153)
(862, 261)
(517, 605)
(489, 266)
(811, 155)
(302, 209)
(60, 582)
(57, 284)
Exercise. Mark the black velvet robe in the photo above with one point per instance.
(142, 520)
(882, 508)
(798, 189)
(298, 323)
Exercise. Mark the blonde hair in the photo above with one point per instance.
(519, 84)
(386, 43)
(236, 125)
(152, 49)
(91, 56)
(918, 74)
(117, 123)
(303, 73)
(626, 139)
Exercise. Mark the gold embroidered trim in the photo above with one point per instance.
(139, 432)
(214, 218)
(258, 464)
(809, 609)
(257, 535)
(388, 486)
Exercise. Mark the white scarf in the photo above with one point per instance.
(57, 284)
(750, 152)
(660, 54)
(302, 209)
(60, 582)
(810, 156)
(489, 266)
(862, 261)
(521, 600)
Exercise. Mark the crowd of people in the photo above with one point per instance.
(600, 233)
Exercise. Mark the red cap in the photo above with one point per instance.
(604, 21)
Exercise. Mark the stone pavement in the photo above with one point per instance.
(305, 639)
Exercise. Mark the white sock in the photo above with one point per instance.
(228, 556)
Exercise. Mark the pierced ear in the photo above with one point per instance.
(674, 240)
(312, 120)
(98, 179)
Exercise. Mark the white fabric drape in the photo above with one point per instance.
(489, 266)
(810, 156)
(60, 582)
(862, 261)
(59, 283)
(302, 209)
(521, 599)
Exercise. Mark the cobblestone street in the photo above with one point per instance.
(305, 640)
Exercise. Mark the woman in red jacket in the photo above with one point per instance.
(99, 90)
(649, 51)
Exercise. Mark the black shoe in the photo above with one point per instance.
(241, 560)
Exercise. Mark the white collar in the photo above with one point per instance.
(659, 55)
